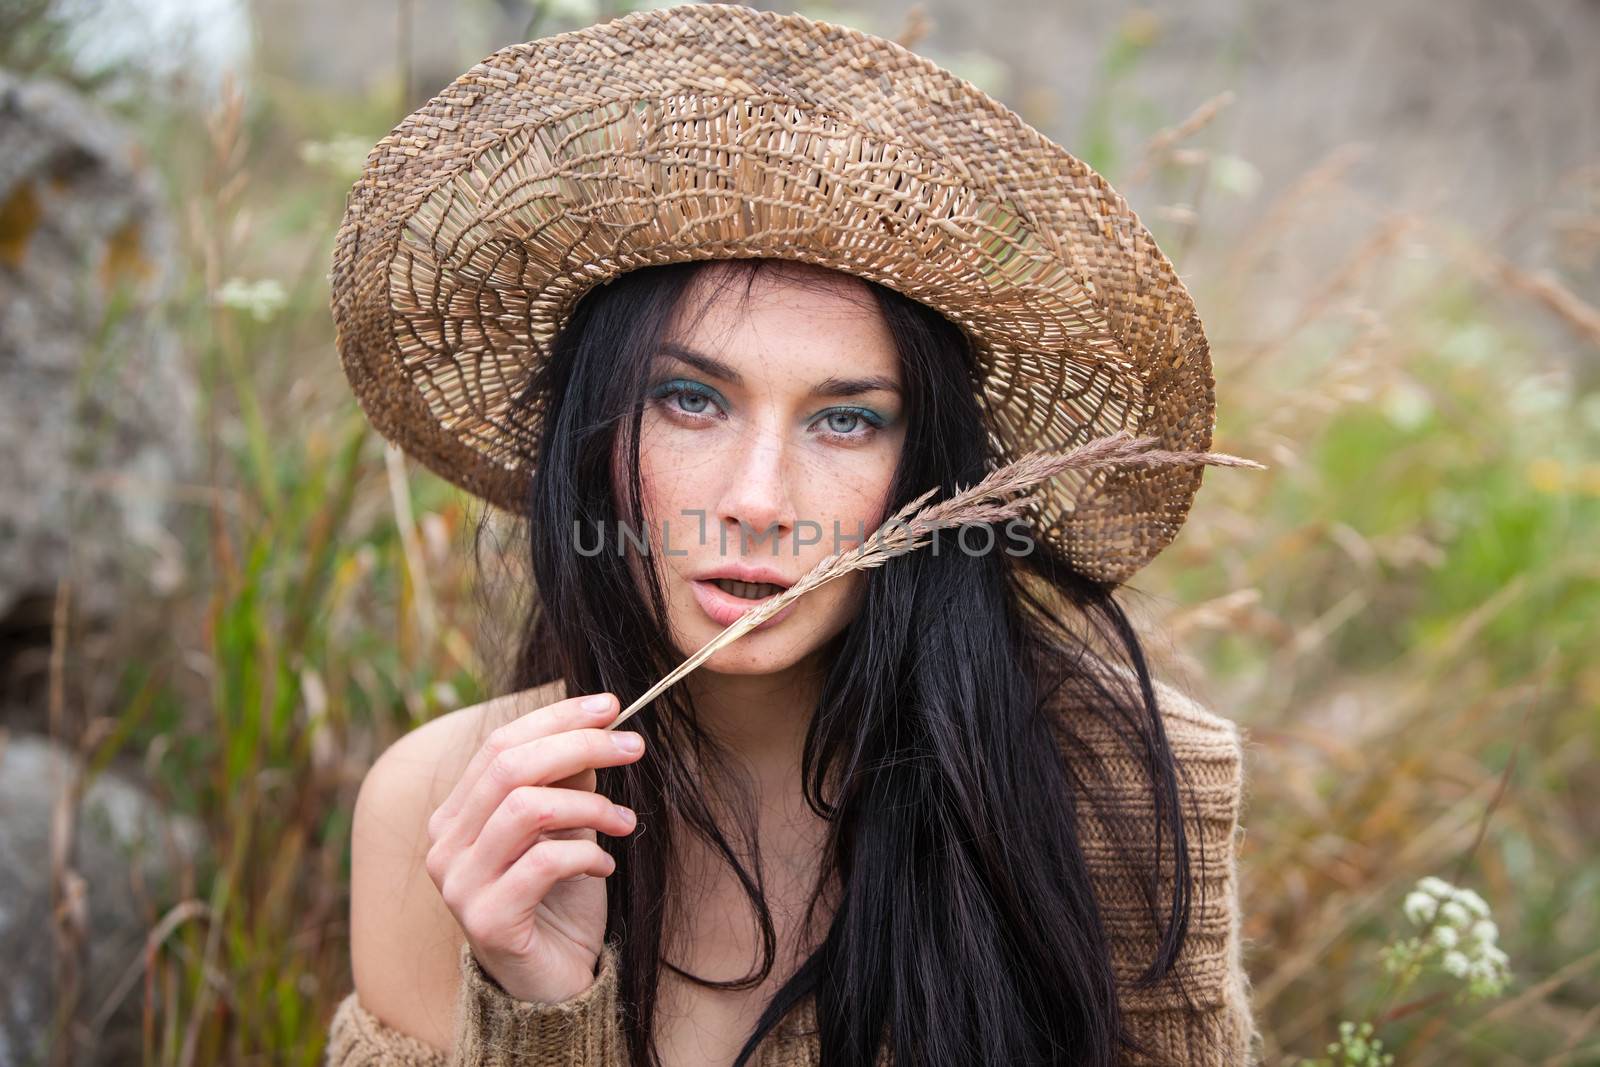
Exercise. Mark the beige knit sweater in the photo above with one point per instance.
(493, 1029)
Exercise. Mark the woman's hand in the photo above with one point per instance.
(514, 848)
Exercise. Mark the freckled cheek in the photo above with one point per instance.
(853, 496)
(677, 481)
(826, 611)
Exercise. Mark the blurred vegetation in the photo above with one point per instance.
(1401, 612)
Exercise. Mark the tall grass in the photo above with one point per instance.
(1401, 612)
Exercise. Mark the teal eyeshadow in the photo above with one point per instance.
(871, 416)
(684, 385)
(676, 385)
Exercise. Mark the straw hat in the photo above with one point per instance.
(712, 131)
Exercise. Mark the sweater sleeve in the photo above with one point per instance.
(493, 1028)
(357, 1038)
(1199, 1014)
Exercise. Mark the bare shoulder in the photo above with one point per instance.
(404, 942)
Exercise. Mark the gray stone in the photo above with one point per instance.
(125, 851)
(96, 428)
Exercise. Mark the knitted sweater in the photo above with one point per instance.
(1216, 1030)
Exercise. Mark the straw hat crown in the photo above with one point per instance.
(711, 131)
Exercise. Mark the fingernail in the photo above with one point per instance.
(629, 743)
(624, 814)
(597, 703)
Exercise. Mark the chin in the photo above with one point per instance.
(759, 652)
(735, 661)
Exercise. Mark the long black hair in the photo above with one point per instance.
(967, 927)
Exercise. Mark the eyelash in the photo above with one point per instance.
(678, 386)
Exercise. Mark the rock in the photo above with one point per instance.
(126, 851)
(95, 406)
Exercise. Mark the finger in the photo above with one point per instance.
(515, 894)
(538, 762)
(528, 813)
(551, 718)
(568, 714)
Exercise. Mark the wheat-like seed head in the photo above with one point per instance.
(998, 496)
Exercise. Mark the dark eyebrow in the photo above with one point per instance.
(827, 387)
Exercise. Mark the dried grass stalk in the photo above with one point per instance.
(999, 496)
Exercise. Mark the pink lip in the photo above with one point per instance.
(725, 608)
(745, 572)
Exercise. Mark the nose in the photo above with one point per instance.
(755, 502)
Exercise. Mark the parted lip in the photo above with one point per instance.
(740, 572)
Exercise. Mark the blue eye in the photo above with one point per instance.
(694, 396)
(696, 402)
(853, 417)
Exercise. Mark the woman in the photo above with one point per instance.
(934, 812)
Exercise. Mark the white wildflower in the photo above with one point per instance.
(1406, 404)
(261, 299)
(345, 153)
(1236, 175)
(1473, 903)
(1488, 979)
(1356, 1047)
(1459, 939)
(1420, 907)
(1437, 887)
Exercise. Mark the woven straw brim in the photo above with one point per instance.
(716, 131)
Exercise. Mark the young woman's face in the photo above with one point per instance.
(770, 435)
